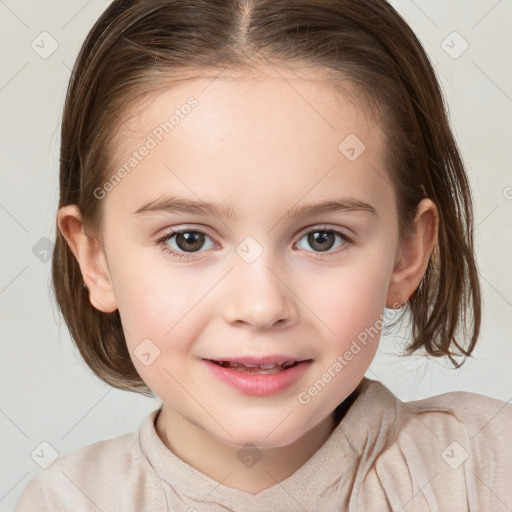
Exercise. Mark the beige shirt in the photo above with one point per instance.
(450, 453)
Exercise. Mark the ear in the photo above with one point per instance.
(90, 257)
(414, 254)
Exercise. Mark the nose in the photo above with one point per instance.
(258, 296)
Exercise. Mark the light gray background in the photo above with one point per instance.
(48, 394)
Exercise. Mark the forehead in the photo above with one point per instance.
(314, 95)
(278, 131)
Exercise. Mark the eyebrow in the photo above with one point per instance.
(179, 205)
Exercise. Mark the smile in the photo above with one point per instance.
(257, 368)
(263, 379)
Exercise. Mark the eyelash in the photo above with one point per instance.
(184, 256)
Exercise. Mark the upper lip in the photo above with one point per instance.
(269, 359)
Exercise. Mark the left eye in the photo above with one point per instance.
(322, 240)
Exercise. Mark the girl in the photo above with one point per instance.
(248, 191)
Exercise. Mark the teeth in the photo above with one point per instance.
(265, 368)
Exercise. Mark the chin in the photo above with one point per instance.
(258, 440)
(264, 434)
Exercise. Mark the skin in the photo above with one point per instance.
(265, 146)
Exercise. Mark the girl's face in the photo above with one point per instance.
(288, 244)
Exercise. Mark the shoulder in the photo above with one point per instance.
(456, 429)
(476, 414)
(476, 418)
(98, 473)
(447, 449)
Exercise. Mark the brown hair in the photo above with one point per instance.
(137, 46)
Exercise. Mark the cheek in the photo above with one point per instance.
(349, 298)
(350, 305)
(161, 320)
(157, 304)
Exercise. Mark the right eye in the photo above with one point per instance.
(184, 242)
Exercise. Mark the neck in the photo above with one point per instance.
(190, 443)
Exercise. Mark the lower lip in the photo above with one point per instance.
(259, 384)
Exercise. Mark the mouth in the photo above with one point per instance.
(263, 369)
(257, 375)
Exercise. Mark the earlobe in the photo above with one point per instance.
(414, 254)
(91, 258)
